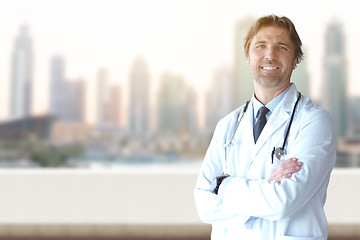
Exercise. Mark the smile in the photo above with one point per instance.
(269, 68)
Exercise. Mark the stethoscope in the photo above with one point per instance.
(278, 152)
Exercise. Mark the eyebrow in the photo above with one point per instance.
(259, 42)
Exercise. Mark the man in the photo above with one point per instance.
(265, 175)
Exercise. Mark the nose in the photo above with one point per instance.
(270, 54)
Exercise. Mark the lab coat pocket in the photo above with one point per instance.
(299, 238)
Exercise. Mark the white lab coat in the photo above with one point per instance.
(248, 205)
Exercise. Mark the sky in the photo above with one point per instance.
(185, 37)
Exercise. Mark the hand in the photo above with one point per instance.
(285, 170)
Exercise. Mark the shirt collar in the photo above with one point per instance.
(271, 105)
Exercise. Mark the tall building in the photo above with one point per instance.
(102, 88)
(335, 93)
(58, 97)
(301, 78)
(243, 82)
(171, 104)
(76, 100)
(191, 111)
(354, 115)
(22, 75)
(114, 107)
(218, 103)
(108, 102)
(67, 98)
(139, 100)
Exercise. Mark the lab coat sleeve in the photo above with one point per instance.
(314, 145)
(209, 205)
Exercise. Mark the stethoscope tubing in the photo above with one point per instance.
(239, 118)
(291, 120)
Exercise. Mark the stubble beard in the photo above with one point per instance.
(271, 81)
(268, 81)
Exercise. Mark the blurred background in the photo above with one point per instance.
(95, 83)
(135, 89)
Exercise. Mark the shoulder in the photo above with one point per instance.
(312, 110)
(232, 116)
(311, 113)
(228, 122)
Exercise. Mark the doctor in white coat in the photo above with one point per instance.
(245, 188)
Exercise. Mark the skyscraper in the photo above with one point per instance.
(58, 96)
(191, 110)
(300, 77)
(171, 104)
(354, 117)
(67, 98)
(139, 99)
(242, 85)
(76, 100)
(335, 94)
(108, 102)
(218, 103)
(22, 75)
(114, 106)
(102, 89)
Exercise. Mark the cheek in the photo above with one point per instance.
(251, 65)
(255, 59)
(252, 60)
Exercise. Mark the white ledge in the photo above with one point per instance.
(134, 201)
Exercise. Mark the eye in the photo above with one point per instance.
(283, 48)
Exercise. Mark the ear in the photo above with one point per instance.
(295, 64)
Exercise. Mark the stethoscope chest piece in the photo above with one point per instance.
(279, 152)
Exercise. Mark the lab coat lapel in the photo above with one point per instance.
(279, 117)
(276, 120)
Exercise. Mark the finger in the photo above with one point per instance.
(275, 175)
(287, 173)
(279, 173)
(285, 169)
(289, 162)
(290, 170)
(284, 177)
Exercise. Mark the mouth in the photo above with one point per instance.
(270, 68)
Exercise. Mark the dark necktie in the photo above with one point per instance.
(261, 122)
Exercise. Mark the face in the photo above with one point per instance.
(271, 57)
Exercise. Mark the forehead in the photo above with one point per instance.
(272, 34)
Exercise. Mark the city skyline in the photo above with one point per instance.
(220, 53)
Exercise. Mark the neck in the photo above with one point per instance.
(265, 95)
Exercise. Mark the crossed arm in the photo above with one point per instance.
(281, 172)
(287, 197)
